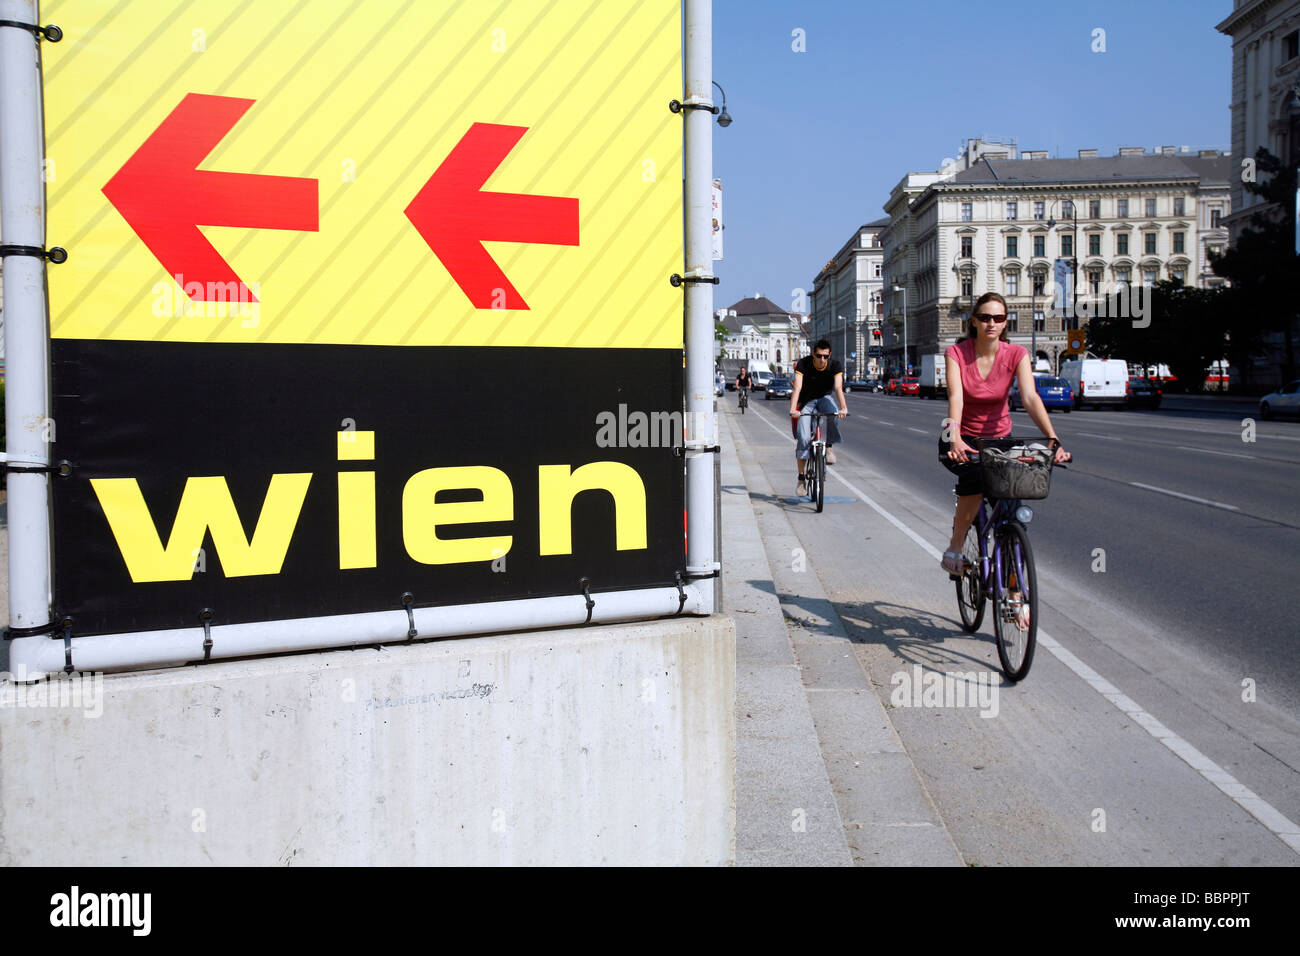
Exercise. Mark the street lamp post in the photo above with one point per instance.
(857, 344)
(903, 289)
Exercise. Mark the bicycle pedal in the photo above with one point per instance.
(954, 577)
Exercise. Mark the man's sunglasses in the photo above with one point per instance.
(821, 355)
(986, 317)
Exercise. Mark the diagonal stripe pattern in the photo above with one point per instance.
(368, 100)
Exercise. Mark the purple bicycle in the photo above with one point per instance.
(999, 566)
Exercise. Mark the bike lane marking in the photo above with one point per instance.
(1263, 811)
(1179, 494)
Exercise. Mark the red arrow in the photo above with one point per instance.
(456, 218)
(164, 197)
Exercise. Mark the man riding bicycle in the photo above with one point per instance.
(743, 384)
(816, 376)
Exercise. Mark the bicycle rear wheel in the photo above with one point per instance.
(1015, 600)
(819, 463)
(971, 596)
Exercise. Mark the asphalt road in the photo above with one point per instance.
(1194, 616)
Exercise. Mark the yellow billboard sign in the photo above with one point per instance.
(387, 172)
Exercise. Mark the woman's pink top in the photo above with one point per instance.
(984, 400)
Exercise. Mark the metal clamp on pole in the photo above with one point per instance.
(408, 599)
(51, 32)
(681, 591)
(205, 616)
(696, 447)
(694, 103)
(23, 467)
(13, 633)
(677, 281)
(585, 584)
(67, 645)
(703, 574)
(56, 254)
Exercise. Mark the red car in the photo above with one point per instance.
(892, 387)
(909, 386)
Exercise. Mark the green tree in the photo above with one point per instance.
(1263, 267)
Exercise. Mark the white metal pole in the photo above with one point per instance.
(700, 416)
(28, 428)
(180, 645)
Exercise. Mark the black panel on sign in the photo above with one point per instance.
(163, 413)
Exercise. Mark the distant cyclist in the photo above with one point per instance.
(816, 377)
(743, 384)
(981, 368)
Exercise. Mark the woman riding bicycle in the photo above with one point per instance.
(981, 369)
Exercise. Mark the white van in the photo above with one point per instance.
(761, 378)
(1096, 381)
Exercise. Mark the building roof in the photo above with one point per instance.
(1208, 169)
(880, 223)
(752, 311)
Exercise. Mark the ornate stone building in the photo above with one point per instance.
(761, 335)
(998, 222)
(847, 302)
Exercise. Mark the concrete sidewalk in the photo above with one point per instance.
(822, 777)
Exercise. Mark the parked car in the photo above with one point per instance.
(892, 387)
(719, 384)
(1141, 392)
(863, 385)
(909, 386)
(1096, 381)
(1055, 393)
(1285, 401)
(779, 388)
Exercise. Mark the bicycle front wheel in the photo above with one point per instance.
(971, 597)
(819, 463)
(1015, 600)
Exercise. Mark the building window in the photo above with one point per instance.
(1094, 281)
(1038, 210)
(1039, 279)
(967, 243)
(966, 285)
(1214, 218)
(877, 270)
(1180, 206)
(1013, 283)
(965, 212)
(1040, 322)
(1151, 207)
(1121, 244)
(1013, 246)
(1094, 245)
(1013, 322)
(1067, 246)
(1013, 210)
(1148, 276)
(1291, 45)
(1214, 251)
(1179, 275)
(1178, 241)
(1040, 245)
(1121, 208)
(1149, 243)
(1067, 209)
(1094, 208)
(1123, 276)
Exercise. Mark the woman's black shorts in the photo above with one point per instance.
(970, 480)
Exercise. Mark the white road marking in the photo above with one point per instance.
(1093, 435)
(1281, 827)
(881, 421)
(1179, 494)
(1228, 454)
(919, 431)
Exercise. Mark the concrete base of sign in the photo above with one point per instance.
(611, 745)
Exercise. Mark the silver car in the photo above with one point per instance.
(1285, 401)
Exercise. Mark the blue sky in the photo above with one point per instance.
(887, 87)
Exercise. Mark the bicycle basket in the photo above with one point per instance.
(1021, 471)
